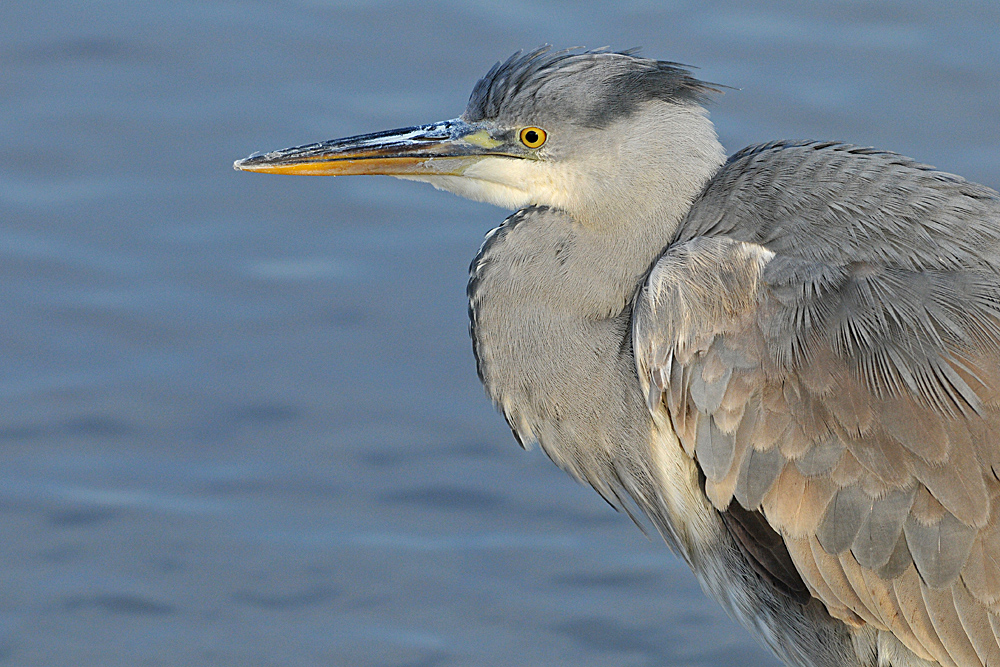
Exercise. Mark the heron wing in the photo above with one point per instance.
(850, 395)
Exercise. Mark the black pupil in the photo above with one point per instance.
(531, 136)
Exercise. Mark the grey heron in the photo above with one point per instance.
(787, 359)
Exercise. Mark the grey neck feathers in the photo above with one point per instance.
(643, 170)
(550, 301)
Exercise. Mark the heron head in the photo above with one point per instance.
(570, 129)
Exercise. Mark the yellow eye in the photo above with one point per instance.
(532, 137)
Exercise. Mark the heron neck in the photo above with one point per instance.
(550, 302)
(641, 173)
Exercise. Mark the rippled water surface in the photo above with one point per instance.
(241, 422)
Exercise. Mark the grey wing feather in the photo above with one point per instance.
(757, 475)
(831, 358)
(843, 518)
(715, 449)
(880, 529)
(939, 550)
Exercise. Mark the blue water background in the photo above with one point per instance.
(240, 419)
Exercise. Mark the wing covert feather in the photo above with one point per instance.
(841, 401)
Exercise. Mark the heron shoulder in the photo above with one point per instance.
(838, 203)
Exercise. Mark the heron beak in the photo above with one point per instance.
(441, 149)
